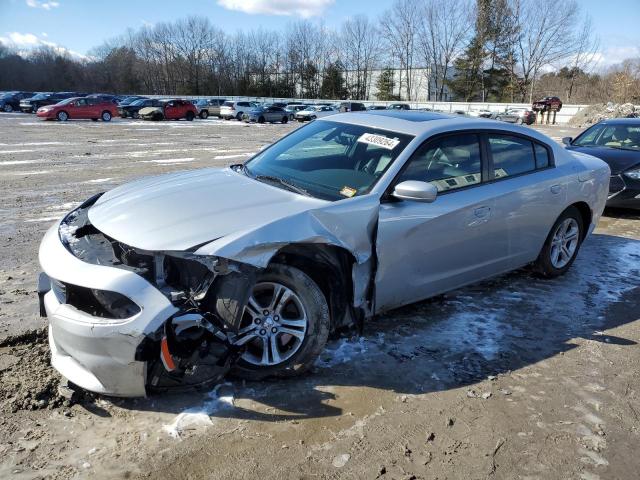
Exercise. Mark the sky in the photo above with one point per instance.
(79, 25)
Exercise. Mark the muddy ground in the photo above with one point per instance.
(512, 378)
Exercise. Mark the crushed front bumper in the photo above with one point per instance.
(99, 354)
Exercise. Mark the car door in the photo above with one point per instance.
(78, 108)
(424, 249)
(171, 110)
(530, 194)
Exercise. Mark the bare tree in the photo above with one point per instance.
(544, 36)
(399, 27)
(360, 48)
(443, 32)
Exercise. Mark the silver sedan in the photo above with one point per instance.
(173, 281)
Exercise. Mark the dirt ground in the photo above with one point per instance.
(516, 377)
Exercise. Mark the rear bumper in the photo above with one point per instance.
(95, 353)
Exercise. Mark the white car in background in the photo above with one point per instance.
(313, 112)
(230, 109)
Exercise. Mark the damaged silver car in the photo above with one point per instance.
(176, 280)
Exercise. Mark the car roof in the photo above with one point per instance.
(417, 123)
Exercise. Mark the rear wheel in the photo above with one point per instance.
(190, 116)
(260, 119)
(519, 121)
(239, 116)
(7, 108)
(204, 114)
(285, 119)
(562, 245)
(106, 116)
(62, 116)
(285, 325)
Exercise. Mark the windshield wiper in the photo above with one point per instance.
(284, 183)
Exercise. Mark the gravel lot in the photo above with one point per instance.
(512, 378)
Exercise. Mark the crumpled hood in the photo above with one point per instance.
(182, 210)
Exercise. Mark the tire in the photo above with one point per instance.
(8, 108)
(303, 351)
(548, 263)
(313, 117)
(239, 116)
(204, 114)
(62, 116)
(157, 117)
(285, 119)
(260, 119)
(106, 116)
(190, 116)
(135, 115)
(519, 121)
(499, 119)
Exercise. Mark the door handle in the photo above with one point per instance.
(555, 189)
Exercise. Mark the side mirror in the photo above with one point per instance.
(416, 191)
(567, 140)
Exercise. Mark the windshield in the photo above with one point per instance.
(137, 102)
(330, 160)
(42, 96)
(67, 101)
(612, 136)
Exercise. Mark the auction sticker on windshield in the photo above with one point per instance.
(348, 192)
(379, 140)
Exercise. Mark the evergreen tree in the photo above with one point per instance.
(385, 85)
(333, 82)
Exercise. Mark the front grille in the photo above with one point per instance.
(616, 184)
(97, 303)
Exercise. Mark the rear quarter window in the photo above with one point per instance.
(511, 155)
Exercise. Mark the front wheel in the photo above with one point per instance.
(562, 245)
(204, 115)
(285, 119)
(7, 108)
(62, 116)
(106, 116)
(285, 325)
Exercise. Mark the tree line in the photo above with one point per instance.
(482, 50)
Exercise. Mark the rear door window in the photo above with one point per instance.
(511, 155)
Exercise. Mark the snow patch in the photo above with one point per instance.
(200, 416)
(99, 180)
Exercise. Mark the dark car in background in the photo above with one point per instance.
(208, 107)
(10, 101)
(399, 106)
(130, 99)
(617, 142)
(31, 105)
(132, 110)
(107, 97)
(515, 115)
(376, 107)
(269, 113)
(351, 107)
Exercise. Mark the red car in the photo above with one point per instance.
(170, 110)
(547, 103)
(80, 107)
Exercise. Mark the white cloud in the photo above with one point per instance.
(301, 8)
(25, 42)
(611, 56)
(43, 5)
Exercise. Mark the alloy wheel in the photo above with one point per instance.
(7, 108)
(564, 243)
(274, 325)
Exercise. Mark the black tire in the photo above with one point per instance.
(105, 116)
(285, 119)
(190, 116)
(135, 115)
(317, 327)
(204, 114)
(8, 108)
(260, 119)
(62, 116)
(543, 265)
(519, 121)
(157, 117)
(239, 116)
